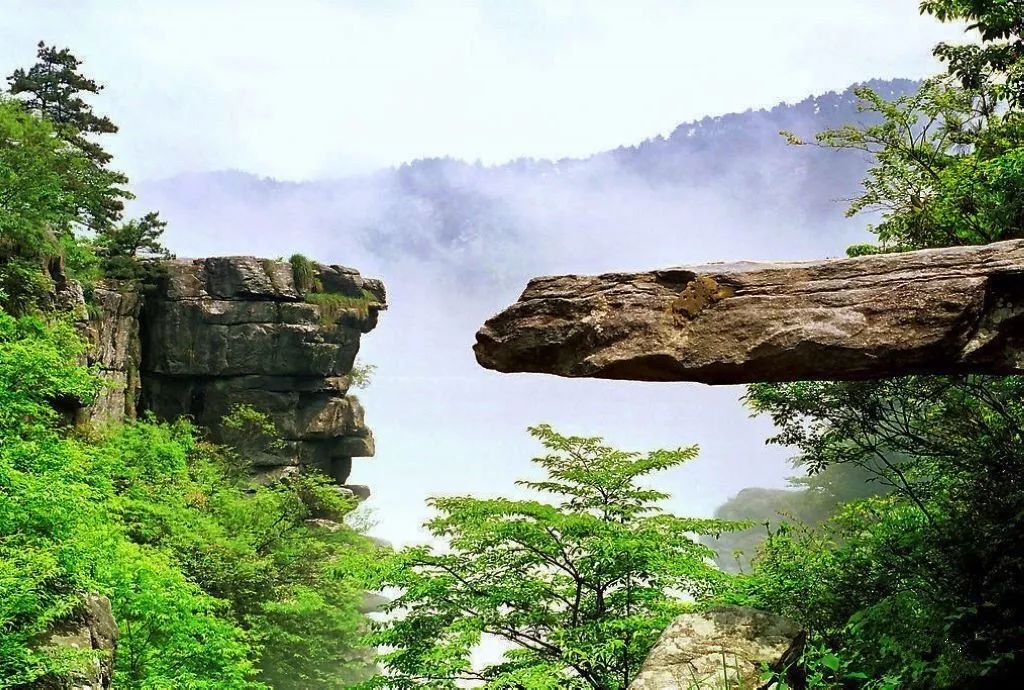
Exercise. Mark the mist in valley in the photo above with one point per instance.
(455, 242)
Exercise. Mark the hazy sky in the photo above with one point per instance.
(307, 88)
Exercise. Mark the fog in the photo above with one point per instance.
(456, 242)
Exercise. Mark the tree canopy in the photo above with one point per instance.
(580, 586)
(918, 588)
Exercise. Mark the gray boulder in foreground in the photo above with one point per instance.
(724, 647)
(942, 311)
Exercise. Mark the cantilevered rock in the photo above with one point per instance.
(942, 311)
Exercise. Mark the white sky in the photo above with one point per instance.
(299, 89)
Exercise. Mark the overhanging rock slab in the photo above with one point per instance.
(940, 311)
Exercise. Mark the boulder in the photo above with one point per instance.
(723, 648)
(341, 280)
(89, 637)
(937, 311)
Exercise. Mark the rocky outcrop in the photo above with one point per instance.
(727, 647)
(235, 330)
(956, 310)
(218, 332)
(212, 334)
(112, 335)
(88, 640)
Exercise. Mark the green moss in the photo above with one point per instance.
(334, 304)
(699, 294)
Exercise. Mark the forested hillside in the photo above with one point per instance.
(137, 530)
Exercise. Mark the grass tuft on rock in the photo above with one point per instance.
(304, 273)
(334, 304)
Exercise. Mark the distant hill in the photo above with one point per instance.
(526, 216)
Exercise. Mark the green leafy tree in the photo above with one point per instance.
(214, 583)
(992, 67)
(54, 182)
(35, 205)
(918, 588)
(946, 170)
(908, 558)
(580, 588)
(55, 90)
(38, 206)
(129, 250)
(948, 166)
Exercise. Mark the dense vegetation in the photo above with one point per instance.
(580, 588)
(918, 588)
(214, 582)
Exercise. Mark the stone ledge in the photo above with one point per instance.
(939, 311)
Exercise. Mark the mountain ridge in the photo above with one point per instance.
(713, 125)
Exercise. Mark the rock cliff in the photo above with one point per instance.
(211, 334)
(943, 311)
(112, 334)
(222, 331)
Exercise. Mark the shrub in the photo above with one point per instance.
(304, 274)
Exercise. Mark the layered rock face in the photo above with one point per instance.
(224, 331)
(725, 647)
(216, 333)
(943, 311)
(235, 330)
(116, 351)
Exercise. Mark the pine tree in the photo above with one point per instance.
(127, 250)
(52, 88)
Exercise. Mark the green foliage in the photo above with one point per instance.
(128, 250)
(945, 172)
(36, 201)
(918, 588)
(214, 583)
(580, 587)
(25, 286)
(900, 583)
(38, 367)
(52, 89)
(994, 66)
(246, 430)
(304, 274)
(362, 374)
(335, 304)
(54, 182)
(949, 167)
(823, 669)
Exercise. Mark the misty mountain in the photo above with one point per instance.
(455, 242)
(477, 219)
